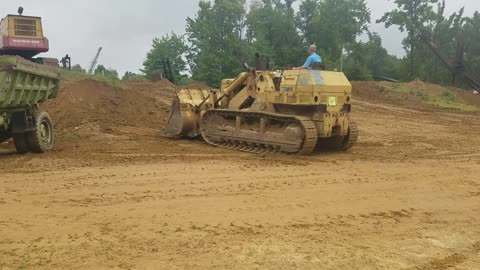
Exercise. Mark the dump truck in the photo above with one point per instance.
(23, 86)
(280, 111)
(26, 82)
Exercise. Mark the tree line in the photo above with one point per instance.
(274, 28)
(339, 28)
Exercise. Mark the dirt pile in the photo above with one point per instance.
(374, 92)
(405, 197)
(144, 84)
(90, 105)
(162, 91)
(415, 94)
(461, 95)
(96, 105)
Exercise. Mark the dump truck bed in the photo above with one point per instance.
(24, 84)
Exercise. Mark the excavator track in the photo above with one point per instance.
(259, 132)
(352, 136)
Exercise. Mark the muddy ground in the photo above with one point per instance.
(115, 195)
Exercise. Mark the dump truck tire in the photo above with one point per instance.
(42, 138)
(20, 142)
(3, 137)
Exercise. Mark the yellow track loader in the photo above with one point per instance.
(289, 111)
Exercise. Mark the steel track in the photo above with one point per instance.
(252, 145)
(352, 136)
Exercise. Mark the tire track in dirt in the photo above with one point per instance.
(121, 197)
(452, 261)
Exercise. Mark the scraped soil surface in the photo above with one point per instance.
(115, 195)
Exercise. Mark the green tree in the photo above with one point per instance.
(472, 43)
(131, 76)
(78, 68)
(170, 47)
(104, 72)
(443, 32)
(411, 16)
(215, 32)
(308, 11)
(272, 31)
(333, 25)
(369, 60)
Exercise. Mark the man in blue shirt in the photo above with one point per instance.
(312, 58)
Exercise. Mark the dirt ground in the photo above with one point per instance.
(115, 195)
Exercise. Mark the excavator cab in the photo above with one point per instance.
(22, 36)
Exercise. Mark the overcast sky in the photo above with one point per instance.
(125, 29)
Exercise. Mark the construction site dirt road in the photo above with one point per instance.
(115, 195)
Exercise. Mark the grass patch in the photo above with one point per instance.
(454, 105)
(72, 75)
(401, 88)
(446, 100)
(447, 95)
(421, 94)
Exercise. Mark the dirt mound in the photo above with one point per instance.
(163, 91)
(90, 106)
(416, 94)
(196, 85)
(97, 106)
(148, 85)
(461, 95)
(374, 92)
(405, 197)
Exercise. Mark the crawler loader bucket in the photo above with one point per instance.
(183, 119)
(174, 120)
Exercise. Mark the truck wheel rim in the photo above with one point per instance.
(45, 132)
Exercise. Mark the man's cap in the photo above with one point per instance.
(312, 47)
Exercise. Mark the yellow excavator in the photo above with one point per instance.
(284, 111)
